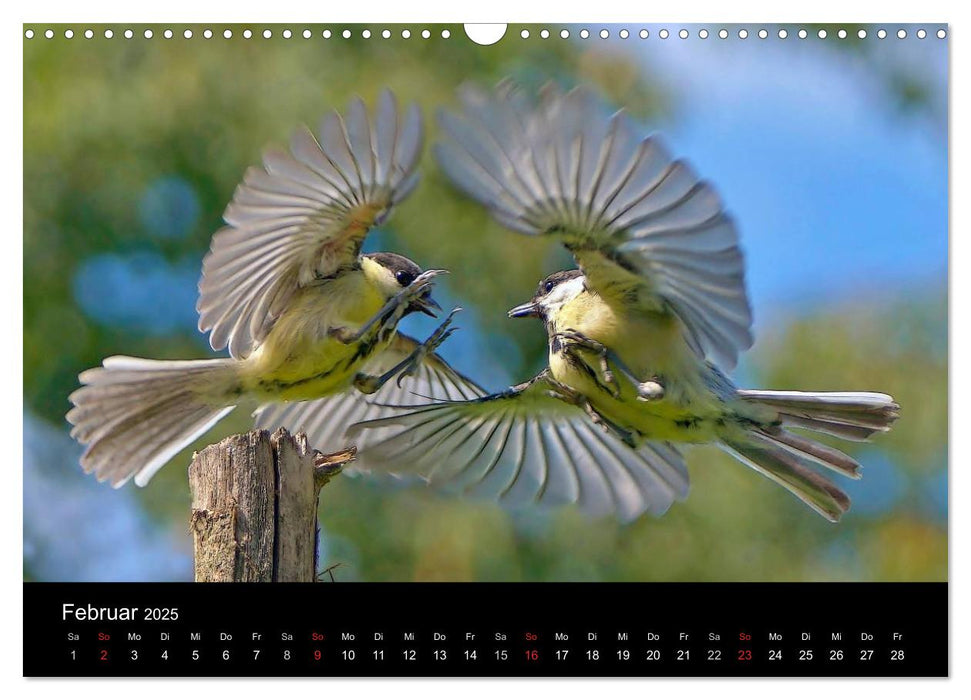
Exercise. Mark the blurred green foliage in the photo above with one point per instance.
(104, 120)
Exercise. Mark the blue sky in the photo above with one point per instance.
(834, 188)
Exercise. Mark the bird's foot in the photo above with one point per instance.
(571, 339)
(622, 434)
(369, 383)
(386, 319)
(431, 344)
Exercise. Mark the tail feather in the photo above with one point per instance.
(821, 454)
(134, 415)
(789, 471)
(848, 415)
(854, 433)
(787, 458)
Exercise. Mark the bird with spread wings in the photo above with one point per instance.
(640, 336)
(309, 322)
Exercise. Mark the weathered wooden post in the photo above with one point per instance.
(254, 506)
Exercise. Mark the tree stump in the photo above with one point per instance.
(254, 507)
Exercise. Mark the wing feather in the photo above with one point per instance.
(498, 477)
(325, 420)
(304, 215)
(523, 446)
(618, 201)
(562, 484)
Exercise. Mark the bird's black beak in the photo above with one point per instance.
(426, 305)
(529, 309)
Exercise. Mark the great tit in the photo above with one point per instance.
(639, 336)
(309, 322)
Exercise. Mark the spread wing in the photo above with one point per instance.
(304, 215)
(640, 224)
(522, 446)
(325, 420)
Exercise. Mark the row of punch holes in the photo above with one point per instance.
(483, 37)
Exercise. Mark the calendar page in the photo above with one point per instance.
(485, 350)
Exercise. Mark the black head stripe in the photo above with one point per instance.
(400, 267)
(557, 278)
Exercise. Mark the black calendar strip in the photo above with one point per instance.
(562, 629)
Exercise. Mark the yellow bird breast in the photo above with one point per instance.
(650, 345)
(299, 360)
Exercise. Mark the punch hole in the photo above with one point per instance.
(167, 34)
(307, 34)
(584, 34)
(545, 34)
(386, 34)
(406, 34)
(763, 34)
(783, 34)
(564, 33)
(129, 34)
(187, 34)
(743, 33)
(624, 33)
(485, 34)
(109, 34)
(346, 33)
(941, 34)
(644, 34)
(881, 33)
(524, 34)
(267, 34)
(841, 33)
(663, 33)
(703, 33)
(861, 34)
(88, 34)
(722, 33)
(446, 34)
(287, 34)
(325, 34)
(425, 34)
(803, 33)
(68, 33)
(29, 34)
(821, 33)
(901, 33)
(366, 33)
(228, 34)
(247, 34)
(921, 34)
(148, 34)
(49, 34)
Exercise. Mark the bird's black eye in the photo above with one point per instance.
(548, 287)
(404, 277)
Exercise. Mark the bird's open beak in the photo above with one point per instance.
(528, 309)
(426, 305)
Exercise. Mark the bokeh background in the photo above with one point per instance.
(831, 154)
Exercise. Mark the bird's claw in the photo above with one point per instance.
(610, 382)
(431, 344)
(419, 285)
(577, 339)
